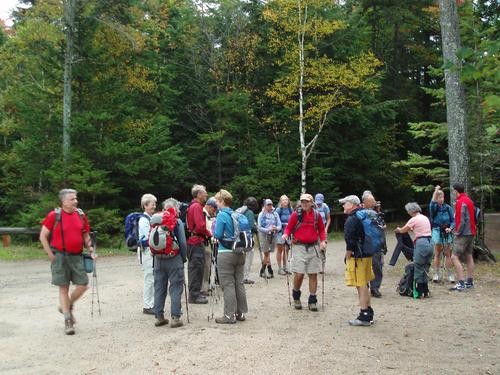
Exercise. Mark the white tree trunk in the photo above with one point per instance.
(455, 96)
(303, 148)
(69, 20)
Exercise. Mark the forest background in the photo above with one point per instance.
(167, 93)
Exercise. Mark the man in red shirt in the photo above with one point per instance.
(308, 230)
(198, 235)
(64, 232)
(465, 230)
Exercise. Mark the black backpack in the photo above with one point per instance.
(405, 287)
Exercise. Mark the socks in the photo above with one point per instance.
(67, 316)
(312, 299)
(296, 294)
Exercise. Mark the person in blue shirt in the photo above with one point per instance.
(268, 225)
(442, 223)
(229, 265)
(284, 212)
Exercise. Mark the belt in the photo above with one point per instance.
(55, 251)
(307, 245)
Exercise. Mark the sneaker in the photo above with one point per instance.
(68, 327)
(469, 285)
(312, 306)
(360, 323)
(148, 311)
(457, 288)
(200, 300)
(161, 321)
(281, 271)
(297, 304)
(451, 278)
(176, 322)
(248, 281)
(225, 320)
(435, 279)
(240, 317)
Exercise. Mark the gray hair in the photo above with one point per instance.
(146, 199)
(196, 189)
(412, 207)
(64, 192)
(171, 203)
(366, 194)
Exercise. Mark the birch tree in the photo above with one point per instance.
(312, 83)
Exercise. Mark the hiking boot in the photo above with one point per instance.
(425, 291)
(161, 321)
(375, 293)
(458, 287)
(176, 322)
(248, 281)
(469, 285)
(360, 323)
(225, 320)
(68, 327)
(281, 271)
(435, 279)
(297, 304)
(451, 278)
(240, 317)
(312, 306)
(200, 300)
(364, 319)
(263, 271)
(148, 311)
(270, 272)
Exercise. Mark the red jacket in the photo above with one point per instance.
(465, 218)
(306, 232)
(196, 224)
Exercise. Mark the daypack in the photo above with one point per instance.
(161, 238)
(300, 218)
(242, 240)
(405, 287)
(374, 232)
(132, 230)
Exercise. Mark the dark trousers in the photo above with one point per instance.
(196, 258)
(377, 264)
(168, 270)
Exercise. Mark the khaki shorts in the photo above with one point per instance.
(358, 271)
(305, 260)
(68, 268)
(267, 242)
(463, 245)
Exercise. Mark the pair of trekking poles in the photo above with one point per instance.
(95, 288)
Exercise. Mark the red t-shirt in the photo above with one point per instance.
(306, 232)
(73, 231)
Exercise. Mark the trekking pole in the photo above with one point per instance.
(323, 261)
(186, 299)
(95, 288)
(211, 285)
(288, 283)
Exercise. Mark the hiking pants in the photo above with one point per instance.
(168, 270)
(422, 257)
(248, 264)
(230, 267)
(147, 268)
(377, 264)
(196, 258)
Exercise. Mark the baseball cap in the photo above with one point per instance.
(268, 201)
(350, 198)
(306, 197)
(319, 198)
(212, 202)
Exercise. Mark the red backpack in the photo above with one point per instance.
(161, 238)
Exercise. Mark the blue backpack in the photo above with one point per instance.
(132, 230)
(242, 240)
(374, 232)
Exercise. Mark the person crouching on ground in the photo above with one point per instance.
(359, 268)
(229, 265)
(170, 269)
(424, 247)
(308, 230)
(70, 229)
(284, 212)
(268, 225)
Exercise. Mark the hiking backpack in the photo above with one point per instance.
(161, 238)
(374, 232)
(242, 240)
(405, 286)
(132, 230)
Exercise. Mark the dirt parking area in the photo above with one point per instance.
(450, 333)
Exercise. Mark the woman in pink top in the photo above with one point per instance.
(424, 247)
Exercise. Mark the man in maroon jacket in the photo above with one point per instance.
(309, 236)
(198, 234)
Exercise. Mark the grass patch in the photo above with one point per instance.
(26, 252)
